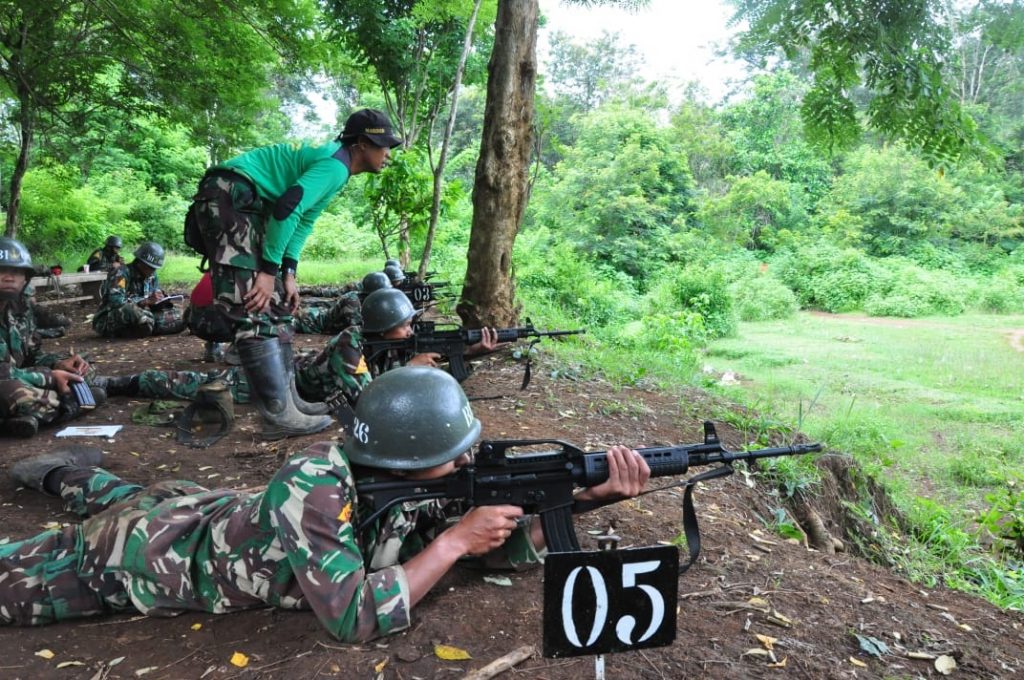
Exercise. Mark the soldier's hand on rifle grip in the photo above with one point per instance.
(627, 476)
(425, 359)
(485, 528)
(259, 296)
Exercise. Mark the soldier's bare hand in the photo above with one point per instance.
(425, 359)
(63, 379)
(488, 341)
(73, 364)
(485, 528)
(627, 476)
(259, 296)
(291, 293)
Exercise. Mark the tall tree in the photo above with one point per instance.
(415, 49)
(896, 49)
(500, 190)
(63, 59)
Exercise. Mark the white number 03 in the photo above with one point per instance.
(624, 626)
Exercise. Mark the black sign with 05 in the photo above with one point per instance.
(610, 600)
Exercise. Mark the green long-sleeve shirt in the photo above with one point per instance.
(318, 172)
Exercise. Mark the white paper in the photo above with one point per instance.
(90, 431)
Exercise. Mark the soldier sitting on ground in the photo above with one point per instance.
(176, 546)
(133, 305)
(35, 388)
(106, 258)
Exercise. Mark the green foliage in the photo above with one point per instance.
(756, 212)
(1004, 518)
(763, 297)
(551, 273)
(400, 198)
(703, 290)
(896, 50)
(913, 291)
(767, 134)
(828, 277)
(619, 193)
(896, 197)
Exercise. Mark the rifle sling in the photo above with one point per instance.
(690, 527)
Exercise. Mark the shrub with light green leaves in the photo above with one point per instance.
(763, 297)
(702, 289)
(919, 292)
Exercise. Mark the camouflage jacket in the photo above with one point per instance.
(21, 356)
(291, 546)
(101, 261)
(126, 284)
(339, 368)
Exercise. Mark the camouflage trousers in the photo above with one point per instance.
(77, 571)
(328, 318)
(231, 219)
(230, 285)
(19, 398)
(318, 376)
(185, 385)
(132, 321)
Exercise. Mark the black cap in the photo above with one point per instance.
(372, 124)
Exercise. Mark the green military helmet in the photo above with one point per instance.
(375, 281)
(385, 309)
(113, 242)
(14, 255)
(411, 418)
(395, 273)
(392, 263)
(150, 254)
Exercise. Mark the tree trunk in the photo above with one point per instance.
(435, 207)
(27, 125)
(500, 187)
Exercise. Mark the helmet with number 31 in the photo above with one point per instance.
(411, 418)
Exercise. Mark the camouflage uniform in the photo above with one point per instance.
(26, 387)
(103, 260)
(328, 319)
(336, 370)
(119, 317)
(332, 291)
(175, 547)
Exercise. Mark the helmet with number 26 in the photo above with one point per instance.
(411, 418)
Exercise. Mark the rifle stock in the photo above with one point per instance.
(543, 482)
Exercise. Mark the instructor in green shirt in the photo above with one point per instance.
(255, 212)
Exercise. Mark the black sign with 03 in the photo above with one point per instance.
(610, 600)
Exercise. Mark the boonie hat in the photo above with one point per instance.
(372, 124)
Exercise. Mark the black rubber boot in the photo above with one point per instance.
(271, 392)
(31, 472)
(20, 426)
(117, 385)
(307, 407)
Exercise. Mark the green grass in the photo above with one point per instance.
(933, 408)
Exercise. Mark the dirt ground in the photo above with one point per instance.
(748, 581)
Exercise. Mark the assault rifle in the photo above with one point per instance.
(543, 482)
(452, 343)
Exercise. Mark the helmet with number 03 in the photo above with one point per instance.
(411, 418)
(14, 255)
(150, 254)
(385, 309)
(375, 281)
(395, 274)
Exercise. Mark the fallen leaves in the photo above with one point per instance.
(449, 653)
(240, 660)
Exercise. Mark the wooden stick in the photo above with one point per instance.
(501, 664)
